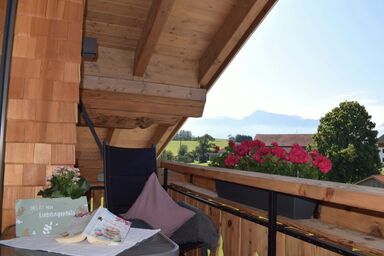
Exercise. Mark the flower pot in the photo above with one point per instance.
(47, 216)
(288, 206)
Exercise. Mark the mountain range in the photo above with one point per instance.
(259, 122)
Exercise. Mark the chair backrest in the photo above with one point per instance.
(125, 172)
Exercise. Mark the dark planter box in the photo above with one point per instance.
(288, 206)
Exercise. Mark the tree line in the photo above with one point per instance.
(202, 152)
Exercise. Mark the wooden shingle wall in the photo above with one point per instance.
(43, 96)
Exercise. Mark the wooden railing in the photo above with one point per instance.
(346, 194)
(362, 207)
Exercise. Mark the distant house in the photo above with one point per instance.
(380, 145)
(372, 181)
(286, 140)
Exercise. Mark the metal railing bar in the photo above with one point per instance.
(272, 218)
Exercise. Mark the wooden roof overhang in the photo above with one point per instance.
(156, 61)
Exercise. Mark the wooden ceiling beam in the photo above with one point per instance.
(142, 87)
(114, 120)
(93, 99)
(157, 16)
(107, 118)
(235, 30)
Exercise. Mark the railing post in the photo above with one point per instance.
(272, 213)
(165, 179)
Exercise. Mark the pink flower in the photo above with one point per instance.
(231, 160)
(298, 155)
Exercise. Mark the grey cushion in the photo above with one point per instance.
(199, 228)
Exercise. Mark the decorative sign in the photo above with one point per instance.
(47, 216)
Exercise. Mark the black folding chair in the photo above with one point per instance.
(126, 171)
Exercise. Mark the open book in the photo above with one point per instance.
(100, 227)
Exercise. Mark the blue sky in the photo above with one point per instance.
(304, 59)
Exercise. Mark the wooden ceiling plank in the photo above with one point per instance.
(179, 52)
(183, 41)
(111, 7)
(111, 41)
(142, 87)
(157, 16)
(136, 22)
(111, 62)
(236, 28)
(172, 70)
(110, 29)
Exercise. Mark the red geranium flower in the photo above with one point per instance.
(231, 160)
(323, 163)
(278, 151)
(256, 156)
(241, 150)
(257, 144)
(298, 155)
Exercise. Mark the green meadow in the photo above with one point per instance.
(174, 145)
